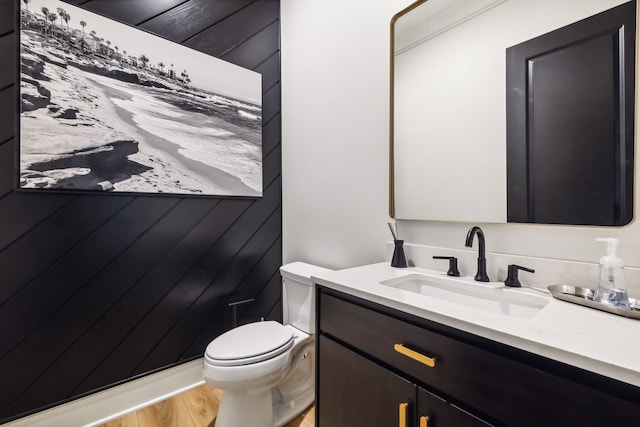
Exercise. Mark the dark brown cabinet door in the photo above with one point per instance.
(436, 412)
(354, 391)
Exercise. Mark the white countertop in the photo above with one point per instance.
(579, 336)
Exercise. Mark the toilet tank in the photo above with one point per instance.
(299, 296)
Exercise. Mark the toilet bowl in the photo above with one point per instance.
(266, 370)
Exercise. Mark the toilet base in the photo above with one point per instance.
(285, 412)
(296, 391)
(234, 407)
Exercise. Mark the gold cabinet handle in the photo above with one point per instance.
(424, 421)
(429, 361)
(402, 414)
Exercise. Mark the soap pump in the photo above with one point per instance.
(611, 289)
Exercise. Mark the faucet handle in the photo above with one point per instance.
(453, 265)
(512, 275)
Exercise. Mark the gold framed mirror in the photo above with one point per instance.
(448, 139)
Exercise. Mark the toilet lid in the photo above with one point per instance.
(250, 343)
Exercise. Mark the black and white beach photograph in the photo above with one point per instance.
(108, 107)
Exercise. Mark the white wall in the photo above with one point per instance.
(335, 132)
(335, 83)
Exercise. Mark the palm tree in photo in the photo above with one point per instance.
(27, 14)
(94, 37)
(45, 12)
(185, 78)
(66, 18)
(144, 59)
(61, 14)
(53, 18)
(83, 41)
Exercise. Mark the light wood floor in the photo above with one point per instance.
(194, 408)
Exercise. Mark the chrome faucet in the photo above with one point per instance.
(481, 275)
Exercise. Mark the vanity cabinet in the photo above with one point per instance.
(359, 392)
(378, 366)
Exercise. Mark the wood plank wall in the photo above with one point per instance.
(99, 289)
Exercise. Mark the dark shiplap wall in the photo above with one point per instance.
(98, 289)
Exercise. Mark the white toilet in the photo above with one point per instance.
(266, 370)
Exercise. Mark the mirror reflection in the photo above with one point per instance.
(449, 114)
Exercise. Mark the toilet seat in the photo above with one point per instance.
(248, 344)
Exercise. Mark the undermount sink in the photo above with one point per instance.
(486, 297)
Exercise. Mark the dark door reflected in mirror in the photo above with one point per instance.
(570, 115)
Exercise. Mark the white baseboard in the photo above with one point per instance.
(114, 402)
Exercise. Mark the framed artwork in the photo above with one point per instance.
(106, 107)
